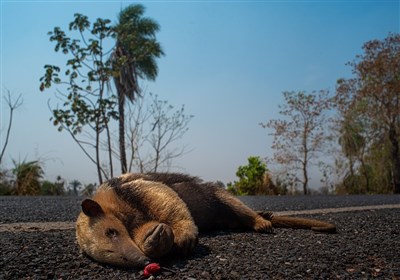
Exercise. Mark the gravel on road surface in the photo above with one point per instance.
(365, 247)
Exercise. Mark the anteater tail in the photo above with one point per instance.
(298, 223)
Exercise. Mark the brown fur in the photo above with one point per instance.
(298, 223)
(136, 217)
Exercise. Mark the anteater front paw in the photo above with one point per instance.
(157, 240)
(262, 225)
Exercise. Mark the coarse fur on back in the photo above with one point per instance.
(135, 218)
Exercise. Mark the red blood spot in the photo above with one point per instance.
(151, 269)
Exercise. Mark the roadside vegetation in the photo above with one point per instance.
(351, 135)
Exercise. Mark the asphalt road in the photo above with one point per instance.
(367, 245)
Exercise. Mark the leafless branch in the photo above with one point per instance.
(12, 105)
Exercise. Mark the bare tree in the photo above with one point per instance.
(153, 129)
(12, 105)
(299, 137)
(137, 132)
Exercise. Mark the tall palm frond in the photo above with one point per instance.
(28, 175)
(136, 51)
(134, 58)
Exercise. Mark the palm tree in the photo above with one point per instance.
(353, 145)
(75, 185)
(134, 58)
(28, 175)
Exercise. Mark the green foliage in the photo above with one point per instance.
(47, 188)
(74, 187)
(5, 189)
(89, 189)
(83, 85)
(373, 175)
(369, 112)
(251, 175)
(27, 177)
(5, 184)
(134, 57)
(253, 179)
(352, 139)
(50, 188)
(234, 189)
(86, 75)
(136, 49)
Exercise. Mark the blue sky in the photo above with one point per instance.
(227, 61)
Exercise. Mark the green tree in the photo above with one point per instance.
(253, 178)
(373, 94)
(53, 188)
(27, 177)
(353, 141)
(59, 186)
(83, 87)
(300, 136)
(89, 189)
(47, 188)
(5, 182)
(87, 108)
(134, 58)
(75, 186)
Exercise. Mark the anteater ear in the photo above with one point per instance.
(91, 208)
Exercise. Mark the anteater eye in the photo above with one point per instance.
(111, 233)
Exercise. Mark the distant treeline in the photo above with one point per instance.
(26, 179)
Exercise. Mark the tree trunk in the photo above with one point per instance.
(8, 133)
(365, 172)
(305, 173)
(395, 157)
(305, 182)
(109, 151)
(122, 152)
(305, 159)
(97, 148)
